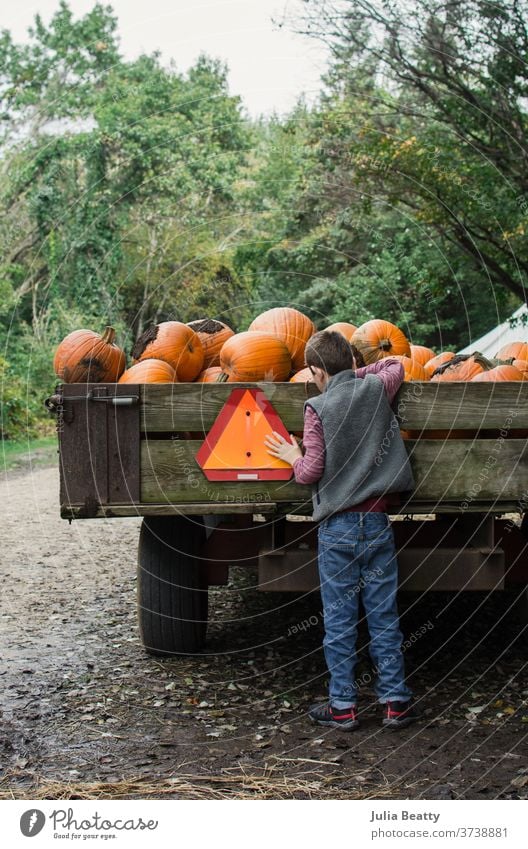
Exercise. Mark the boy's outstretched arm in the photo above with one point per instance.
(390, 371)
(308, 468)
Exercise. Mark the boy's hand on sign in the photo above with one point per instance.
(279, 447)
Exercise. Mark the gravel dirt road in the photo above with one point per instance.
(86, 713)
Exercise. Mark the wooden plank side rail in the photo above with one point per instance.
(222, 508)
(194, 407)
(464, 406)
(107, 470)
(459, 470)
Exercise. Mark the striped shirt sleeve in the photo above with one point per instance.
(310, 467)
(391, 373)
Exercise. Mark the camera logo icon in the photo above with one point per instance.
(32, 822)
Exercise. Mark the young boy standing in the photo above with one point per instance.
(354, 457)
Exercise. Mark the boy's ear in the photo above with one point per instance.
(357, 358)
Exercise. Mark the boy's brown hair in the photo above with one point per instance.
(330, 351)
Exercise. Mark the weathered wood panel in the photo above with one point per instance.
(452, 471)
(292, 508)
(114, 511)
(419, 569)
(462, 405)
(99, 446)
(194, 407)
(466, 470)
(123, 447)
(169, 472)
(83, 446)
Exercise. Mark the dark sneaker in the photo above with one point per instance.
(400, 714)
(327, 715)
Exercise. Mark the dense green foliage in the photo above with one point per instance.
(411, 171)
(133, 193)
(116, 195)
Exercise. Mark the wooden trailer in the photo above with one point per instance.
(128, 450)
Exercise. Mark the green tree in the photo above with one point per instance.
(445, 135)
(118, 188)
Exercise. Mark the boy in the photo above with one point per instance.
(354, 456)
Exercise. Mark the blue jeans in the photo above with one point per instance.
(357, 557)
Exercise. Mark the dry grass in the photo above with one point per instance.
(266, 783)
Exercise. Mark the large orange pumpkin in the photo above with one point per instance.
(212, 335)
(498, 373)
(522, 365)
(377, 339)
(462, 367)
(88, 357)
(253, 356)
(175, 343)
(149, 371)
(421, 354)
(517, 350)
(413, 369)
(209, 375)
(344, 328)
(432, 364)
(291, 326)
(302, 376)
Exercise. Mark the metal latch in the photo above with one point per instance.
(116, 400)
(55, 404)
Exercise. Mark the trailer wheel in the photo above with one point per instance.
(171, 589)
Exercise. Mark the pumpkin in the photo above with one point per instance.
(290, 326)
(209, 375)
(432, 364)
(302, 376)
(84, 356)
(413, 369)
(377, 339)
(149, 371)
(212, 334)
(517, 350)
(344, 328)
(522, 365)
(421, 354)
(253, 356)
(462, 367)
(498, 373)
(175, 343)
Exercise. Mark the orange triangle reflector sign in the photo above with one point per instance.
(234, 448)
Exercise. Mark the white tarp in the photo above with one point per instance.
(501, 335)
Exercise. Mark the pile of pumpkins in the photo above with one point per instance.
(272, 348)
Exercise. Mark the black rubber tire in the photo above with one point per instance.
(171, 591)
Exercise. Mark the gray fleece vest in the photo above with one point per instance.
(364, 452)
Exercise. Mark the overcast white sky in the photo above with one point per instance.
(269, 67)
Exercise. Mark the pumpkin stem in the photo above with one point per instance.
(108, 335)
(482, 361)
(385, 344)
(460, 358)
(223, 377)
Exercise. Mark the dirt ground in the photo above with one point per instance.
(86, 713)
